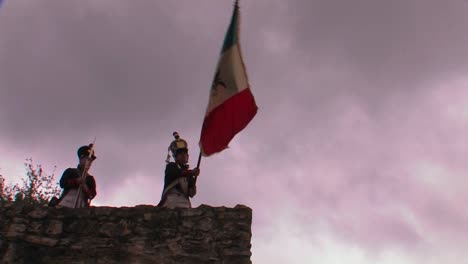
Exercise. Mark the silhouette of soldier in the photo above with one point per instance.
(79, 187)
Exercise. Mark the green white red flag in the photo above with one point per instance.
(231, 104)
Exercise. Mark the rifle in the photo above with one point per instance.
(84, 172)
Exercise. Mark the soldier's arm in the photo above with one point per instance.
(67, 180)
(91, 187)
(188, 173)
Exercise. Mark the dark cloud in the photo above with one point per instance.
(361, 119)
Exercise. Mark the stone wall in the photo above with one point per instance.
(141, 234)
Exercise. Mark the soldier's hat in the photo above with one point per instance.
(178, 145)
(85, 151)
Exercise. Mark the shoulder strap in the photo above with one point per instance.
(170, 186)
(173, 184)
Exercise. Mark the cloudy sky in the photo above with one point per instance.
(358, 151)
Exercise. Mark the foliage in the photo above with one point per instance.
(36, 189)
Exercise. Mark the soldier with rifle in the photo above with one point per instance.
(179, 180)
(79, 187)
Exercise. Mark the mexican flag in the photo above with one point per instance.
(231, 103)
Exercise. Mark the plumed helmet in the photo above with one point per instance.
(178, 145)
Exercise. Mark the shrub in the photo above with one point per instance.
(36, 189)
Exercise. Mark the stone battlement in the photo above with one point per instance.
(141, 234)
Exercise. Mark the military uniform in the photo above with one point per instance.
(73, 196)
(179, 180)
(70, 183)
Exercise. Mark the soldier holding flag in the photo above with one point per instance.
(231, 107)
(179, 180)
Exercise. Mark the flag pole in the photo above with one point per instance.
(84, 172)
(199, 160)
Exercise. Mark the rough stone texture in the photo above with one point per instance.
(134, 235)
